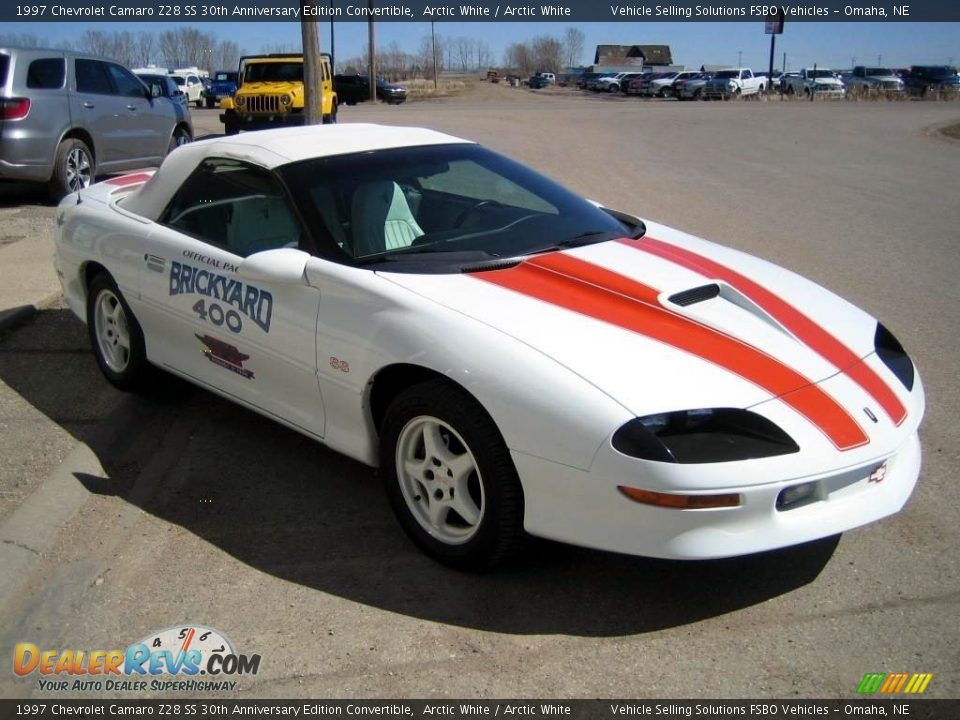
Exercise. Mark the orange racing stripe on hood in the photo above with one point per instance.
(590, 290)
(806, 330)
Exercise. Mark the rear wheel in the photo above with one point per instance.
(449, 477)
(210, 102)
(73, 168)
(115, 335)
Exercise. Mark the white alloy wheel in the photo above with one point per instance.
(439, 480)
(111, 331)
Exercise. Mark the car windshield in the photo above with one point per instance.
(178, 80)
(724, 74)
(274, 72)
(878, 71)
(443, 206)
(4, 64)
(225, 77)
(820, 73)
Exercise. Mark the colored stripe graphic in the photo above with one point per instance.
(584, 288)
(893, 683)
(805, 329)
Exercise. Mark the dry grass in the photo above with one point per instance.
(952, 131)
(423, 89)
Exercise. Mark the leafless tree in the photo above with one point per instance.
(547, 53)
(573, 40)
(519, 57)
(146, 47)
(484, 56)
(425, 55)
(226, 55)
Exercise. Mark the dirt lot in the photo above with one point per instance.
(207, 514)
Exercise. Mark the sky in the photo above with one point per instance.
(836, 45)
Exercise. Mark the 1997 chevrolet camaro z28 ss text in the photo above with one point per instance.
(514, 358)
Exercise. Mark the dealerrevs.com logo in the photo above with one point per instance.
(187, 658)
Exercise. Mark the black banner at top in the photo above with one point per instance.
(566, 11)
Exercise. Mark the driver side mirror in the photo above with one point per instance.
(284, 266)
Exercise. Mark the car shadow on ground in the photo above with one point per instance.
(284, 505)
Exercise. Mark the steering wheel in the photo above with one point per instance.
(462, 217)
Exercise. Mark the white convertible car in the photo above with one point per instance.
(514, 358)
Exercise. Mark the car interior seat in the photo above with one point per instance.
(382, 219)
(261, 222)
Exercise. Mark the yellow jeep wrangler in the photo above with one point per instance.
(270, 93)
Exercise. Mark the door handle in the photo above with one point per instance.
(88, 105)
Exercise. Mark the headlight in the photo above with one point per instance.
(702, 436)
(240, 100)
(891, 352)
(732, 85)
(285, 99)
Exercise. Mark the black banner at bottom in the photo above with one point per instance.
(457, 709)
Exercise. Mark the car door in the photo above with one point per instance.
(254, 341)
(104, 112)
(147, 124)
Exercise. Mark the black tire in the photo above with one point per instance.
(74, 168)
(493, 487)
(790, 90)
(127, 371)
(210, 103)
(199, 103)
(231, 128)
(331, 119)
(181, 136)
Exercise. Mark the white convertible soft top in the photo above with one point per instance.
(271, 148)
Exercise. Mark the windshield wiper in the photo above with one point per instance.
(587, 238)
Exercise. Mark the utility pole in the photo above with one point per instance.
(372, 44)
(312, 81)
(433, 38)
(739, 57)
(333, 42)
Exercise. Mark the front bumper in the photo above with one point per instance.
(250, 121)
(585, 508)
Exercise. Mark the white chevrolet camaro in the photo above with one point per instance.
(513, 357)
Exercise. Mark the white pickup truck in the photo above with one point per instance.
(821, 82)
(735, 82)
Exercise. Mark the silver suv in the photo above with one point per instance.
(65, 116)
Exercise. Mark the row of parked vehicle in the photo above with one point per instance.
(919, 80)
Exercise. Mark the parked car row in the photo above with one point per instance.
(819, 82)
(64, 116)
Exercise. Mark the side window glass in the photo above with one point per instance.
(92, 78)
(46, 74)
(126, 82)
(235, 206)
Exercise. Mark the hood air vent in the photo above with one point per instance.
(695, 295)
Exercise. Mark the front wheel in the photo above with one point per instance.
(115, 335)
(449, 477)
(211, 102)
(180, 137)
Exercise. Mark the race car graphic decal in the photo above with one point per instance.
(225, 355)
(585, 288)
(255, 303)
(803, 328)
